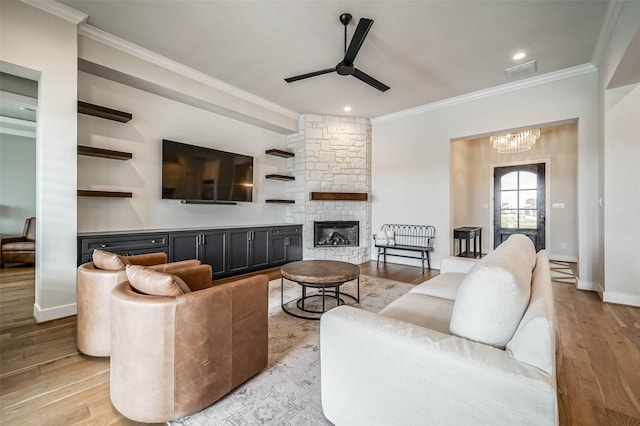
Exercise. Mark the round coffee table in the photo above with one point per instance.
(325, 275)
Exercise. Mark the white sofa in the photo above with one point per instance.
(475, 345)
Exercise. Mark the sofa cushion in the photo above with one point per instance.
(493, 297)
(534, 341)
(444, 286)
(19, 246)
(421, 310)
(109, 261)
(155, 283)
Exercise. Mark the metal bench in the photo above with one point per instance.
(418, 238)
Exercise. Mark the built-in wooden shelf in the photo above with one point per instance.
(280, 153)
(280, 201)
(103, 112)
(280, 177)
(103, 153)
(109, 194)
(339, 196)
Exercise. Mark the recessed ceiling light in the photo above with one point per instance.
(347, 108)
(519, 55)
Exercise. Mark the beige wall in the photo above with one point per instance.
(472, 185)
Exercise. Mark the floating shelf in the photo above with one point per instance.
(339, 196)
(109, 194)
(280, 177)
(103, 153)
(103, 112)
(280, 153)
(280, 201)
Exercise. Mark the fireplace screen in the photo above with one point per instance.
(336, 233)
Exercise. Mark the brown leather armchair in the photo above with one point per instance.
(175, 355)
(20, 249)
(94, 285)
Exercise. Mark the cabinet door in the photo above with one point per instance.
(294, 247)
(183, 246)
(239, 259)
(259, 247)
(278, 249)
(214, 252)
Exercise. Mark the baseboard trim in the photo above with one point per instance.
(587, 285)
(561, 258)
(50, 314)
(621, 298)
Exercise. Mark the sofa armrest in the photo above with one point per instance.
(456, 264)
(7, 240)
(376, 370)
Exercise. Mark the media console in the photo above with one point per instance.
(229, 250)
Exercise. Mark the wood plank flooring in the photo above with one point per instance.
(45, 381)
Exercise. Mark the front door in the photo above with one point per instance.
(519, 203)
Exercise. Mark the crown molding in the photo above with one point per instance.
(125, 46)
(492, 91)
(58, 9)
(606, 32)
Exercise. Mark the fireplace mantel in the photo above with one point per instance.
(339, 196)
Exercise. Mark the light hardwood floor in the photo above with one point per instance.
(45, 381)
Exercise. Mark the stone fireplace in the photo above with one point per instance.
(332, 154)
(334, 233)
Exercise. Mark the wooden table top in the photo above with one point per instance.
(320, 271)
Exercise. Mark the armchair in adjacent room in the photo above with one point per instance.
(96, 279)
(175, 351)
(20, 249)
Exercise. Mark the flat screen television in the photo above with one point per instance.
(195, 173)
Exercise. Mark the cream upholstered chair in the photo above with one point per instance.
(95, 280)
(176, 351)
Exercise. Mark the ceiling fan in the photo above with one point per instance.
(346, 67)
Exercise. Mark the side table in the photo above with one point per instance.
(466, 233)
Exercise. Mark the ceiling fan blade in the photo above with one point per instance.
(364, 25)
(311, 74)
(370, 80)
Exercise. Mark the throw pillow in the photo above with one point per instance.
(155, 283)
(109, 261)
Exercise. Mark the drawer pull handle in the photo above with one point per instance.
(153, 241)
(103, 245)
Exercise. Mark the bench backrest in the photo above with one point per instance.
(412, 235)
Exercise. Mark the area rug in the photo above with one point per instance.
(287, 392)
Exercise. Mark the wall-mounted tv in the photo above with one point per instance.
(194, 173)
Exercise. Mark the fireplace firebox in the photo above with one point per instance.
(336, 233)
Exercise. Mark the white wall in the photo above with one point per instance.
(156, 118)
(17, 182)
(412, 154)
(45, 47)
(622, 195)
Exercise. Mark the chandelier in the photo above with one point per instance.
(510, 143)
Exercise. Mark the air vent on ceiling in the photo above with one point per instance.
(522, 69)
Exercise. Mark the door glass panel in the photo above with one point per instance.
(528, 199)
(528, 180)
(509, 181)
(509, 218)
(527, 219)
(509, 199)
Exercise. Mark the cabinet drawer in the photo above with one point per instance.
(128, 243)
(297, 229)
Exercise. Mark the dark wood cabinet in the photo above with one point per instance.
(229, 251)
(248, 249)
(209, 247)
(286, 244)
